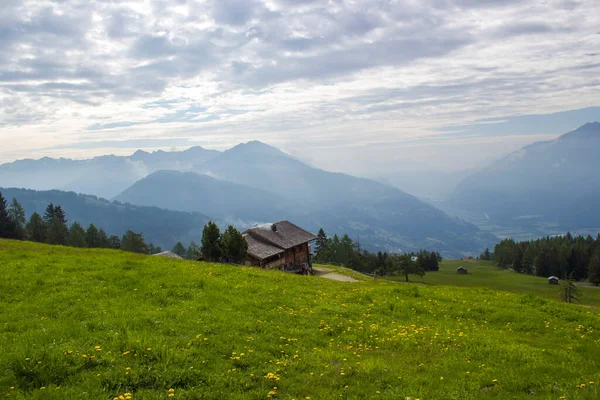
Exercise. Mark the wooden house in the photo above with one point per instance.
(461, 270)
(281, 245)
(553, 280)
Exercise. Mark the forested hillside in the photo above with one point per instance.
(160, 227)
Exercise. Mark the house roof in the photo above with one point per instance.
(260, 249)
(461, 267)
(168, 254)
(553, 277)
(270, 239)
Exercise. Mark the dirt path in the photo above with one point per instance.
(327, 273)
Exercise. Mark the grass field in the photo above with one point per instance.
(97, 324)
(485, 274)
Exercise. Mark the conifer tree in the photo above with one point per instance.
(17, 214)
(49, 214)
(8, 228)
(36, 228)
(76, 236)
(57, 231)
(233, 245)
(92, 236)
(60, 214)
(594, 268)
(570, 292)
(103, 241)
(321, 243)
(134, 242)
(115, 242)
(179, 249)
(211, 237)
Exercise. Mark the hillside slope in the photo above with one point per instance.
(161, 227)
(553, 183)
(188, 191)
(101, 323)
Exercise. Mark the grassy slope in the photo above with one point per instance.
(212, 332)
(485, 274)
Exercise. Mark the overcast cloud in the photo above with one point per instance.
(325, 80)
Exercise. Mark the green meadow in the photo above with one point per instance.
(485, 274)
(100, 324)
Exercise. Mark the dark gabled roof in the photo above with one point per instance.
(271, 239)
(282, 234)
(260, 249)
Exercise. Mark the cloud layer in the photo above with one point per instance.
(314, 77)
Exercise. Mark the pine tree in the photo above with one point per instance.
(211, 236)
(570, 292)
(179, 249)
(58, 232)
(76, 236)
(36, 228)
(594, 268)
(233, 245)
(92, 236)
(134, 242)
(49, 214)
(17, 214)
(8, 228)
(103, 241)
(115, 242)
(60, 214)
(321, 243)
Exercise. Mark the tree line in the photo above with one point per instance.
(347, 252)
(52, 228)
(562, 256)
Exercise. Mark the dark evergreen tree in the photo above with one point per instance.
(594, 268)
(570, 293)
(233, 245)
(211, 238)
(60, 214)
(92, 236)
(76, 236)
(8, 228)
(58, 232)
(115, 242)
(134, 242)
(321, 243)
(17, 214)
(36, 228)
(103, 239)
(49, 214)
(179, 249)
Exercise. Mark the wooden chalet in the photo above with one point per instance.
(281, 245)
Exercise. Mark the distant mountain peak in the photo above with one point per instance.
(256, 146)
(587, 131)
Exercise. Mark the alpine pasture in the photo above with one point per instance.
(105, 324)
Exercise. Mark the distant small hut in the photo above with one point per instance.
(461, 270)
(553, 280)
(168, 254)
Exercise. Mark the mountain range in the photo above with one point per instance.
(547, 187)
(254, 183)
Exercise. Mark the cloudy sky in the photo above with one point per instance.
(345, 84)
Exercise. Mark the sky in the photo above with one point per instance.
(348, 85)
